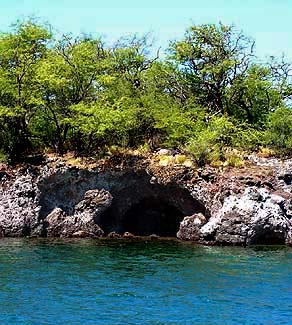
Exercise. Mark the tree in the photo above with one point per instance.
(208, 95)
(279, 130)
(212, 57)
(20, 54)
(131, 59)
(253, 96)
(281, 73)
(74, 71)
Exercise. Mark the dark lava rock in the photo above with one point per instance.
(19, 211)
(221, 208)
(190, 227)
(128, 235)
(256, 217)
(83, 222)
(114, 234)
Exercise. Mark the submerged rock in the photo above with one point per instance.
(154, 237)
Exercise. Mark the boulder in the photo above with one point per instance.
(114, 234)
(93, 204)
(19, 210)
(84, 221)
(190, 227)
(128, 235)
(256, 217)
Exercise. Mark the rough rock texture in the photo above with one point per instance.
(84, 221)
(137, 197)
(190, 227)
(56, 200)
(256, 217)
(18, 207)
(252, 205)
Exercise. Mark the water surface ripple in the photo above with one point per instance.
(142, 282)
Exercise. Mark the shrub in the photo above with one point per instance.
(279, 130)
(3, 158)
(266, 152)
(180, 159)
(213, 144)
(204, 148)
(234, 158)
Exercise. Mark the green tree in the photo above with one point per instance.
(212, 57)
(279, 130)
(20, 54)
(207, 96)
(130, 61)
(253, 96)
(74, 71)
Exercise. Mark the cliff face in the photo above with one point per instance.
(245, 206)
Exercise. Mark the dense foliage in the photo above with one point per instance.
(207, 96)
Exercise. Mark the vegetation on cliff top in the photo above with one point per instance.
(208, 96)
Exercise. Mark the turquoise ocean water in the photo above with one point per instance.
(142, 282)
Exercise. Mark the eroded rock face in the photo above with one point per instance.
(256, 217)
(190, 227)
(252, 206)
(58, 224)
(139, 203)
(70, 202)
(19, 209)
(84, 221)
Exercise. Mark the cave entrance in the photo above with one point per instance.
(269, 238)
(152, 216)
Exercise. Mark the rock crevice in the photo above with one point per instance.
(247, 207)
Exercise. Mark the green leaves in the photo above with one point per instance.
(207, 96)
(212, 57)
(253, 96)
(20, 54)
(279, 130)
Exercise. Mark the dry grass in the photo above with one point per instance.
(266, 152)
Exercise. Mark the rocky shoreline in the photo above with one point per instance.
(135, 196)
